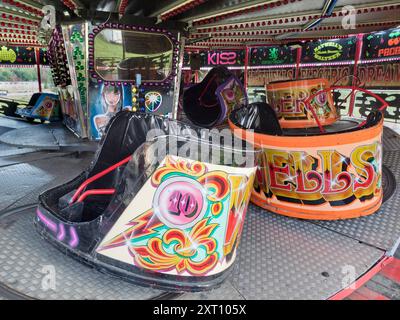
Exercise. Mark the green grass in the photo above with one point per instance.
(105, 49)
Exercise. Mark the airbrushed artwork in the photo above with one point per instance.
(289, 101)
(329, 50)
(104, 102)
(231, 95)
(19, 55)
(185, 221)
(111, 101)
(317, 181)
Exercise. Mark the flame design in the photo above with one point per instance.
(185, 248)
(217, 185)
(156, 247)
(194, 169)
(143, 226)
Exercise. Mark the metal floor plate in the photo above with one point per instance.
(50, 136)
(26, 259)
(21, 184)
(284, 258)
(279, 258)
(7, 150)
(6, 161)
(391, 140)
(381, 229)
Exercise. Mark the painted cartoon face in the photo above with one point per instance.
(112, 97)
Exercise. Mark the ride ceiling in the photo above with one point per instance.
(210, 23)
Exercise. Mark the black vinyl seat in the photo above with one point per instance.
(33, 99)
(259, 116)
(373, 118)
(200, 102)
(125, 133)
(262, 118)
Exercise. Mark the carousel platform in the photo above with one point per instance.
(49, 136)
(279, 257)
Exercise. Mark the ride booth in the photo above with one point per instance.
(113, 67)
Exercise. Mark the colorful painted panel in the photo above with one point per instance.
(329, 51)
(231, 95)
(384, 44)
(289, 101)
(342, 181)
(72, 112)
(186, 220)
(264, 56)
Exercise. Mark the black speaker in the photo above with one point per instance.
(195, 62)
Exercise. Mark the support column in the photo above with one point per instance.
(298, 58)
(37, 56)
(246, 64)
(357, 58)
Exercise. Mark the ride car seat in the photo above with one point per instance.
(87, 196)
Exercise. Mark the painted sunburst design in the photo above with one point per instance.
(153, 100)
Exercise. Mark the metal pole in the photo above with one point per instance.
(355, 72)
(178, 76)
(246, 64)
(37, 56)
(298, 58)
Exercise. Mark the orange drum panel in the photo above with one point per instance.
(337, 176)
(288, 99)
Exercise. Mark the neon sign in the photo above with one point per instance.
(381, 44)
(221, 58)
(7, 55)
(328, 51)
(394, 46)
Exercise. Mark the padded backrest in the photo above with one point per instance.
(259, 116)
(34, 99)
(373, 118)
(200, 103)
(126, 132)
